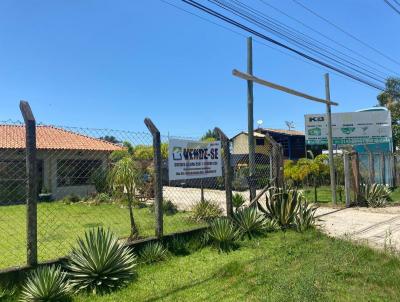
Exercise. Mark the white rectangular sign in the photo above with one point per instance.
(192, 159)
(350, 128)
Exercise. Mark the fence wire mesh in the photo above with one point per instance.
(81, 184)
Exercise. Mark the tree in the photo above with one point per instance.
(390, 98)
(210, 135)
(127, 174)
(110, 138)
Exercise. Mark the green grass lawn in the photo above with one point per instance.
(279, 267)
(59, 225)
(324, 195)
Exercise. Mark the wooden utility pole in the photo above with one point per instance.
(250, 120)
(330, 140)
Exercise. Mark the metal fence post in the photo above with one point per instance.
(228, 171)
(347, 180)
(158, 187)
(31, 194)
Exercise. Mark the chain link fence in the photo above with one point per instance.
(81, 184)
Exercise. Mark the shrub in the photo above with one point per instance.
(282, 205)
(238, 200)
(375, 195)
(153, 252)
(223, 234)
(100, 263)
(99, 178)
(305, 218)
(46, 284)
(7, 292)
(71, 198)
(102, 198)
(206, 211)
(169, 208)
(250, 222)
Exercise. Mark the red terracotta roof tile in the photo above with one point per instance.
(49, 137)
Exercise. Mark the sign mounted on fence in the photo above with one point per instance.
(350, 128)
(192, 159)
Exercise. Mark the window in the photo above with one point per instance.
(73, 172)
(259, 141)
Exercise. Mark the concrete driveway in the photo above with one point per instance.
(375, 227)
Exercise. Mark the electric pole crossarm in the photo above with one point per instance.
(248, 77)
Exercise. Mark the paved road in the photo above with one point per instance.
(372, 226)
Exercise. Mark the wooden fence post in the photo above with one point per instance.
(347, 178)
(371, 166)
(158, 187)
(31, 190)
(383, 168)
(228, 171)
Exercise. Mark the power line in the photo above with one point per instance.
(262, 36)
(392, 6)
(346, 32)
(330, 39)
(259, 41)
(287, 34)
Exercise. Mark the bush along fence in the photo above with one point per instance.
(57, 182)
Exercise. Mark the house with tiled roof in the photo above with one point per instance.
(66, 161)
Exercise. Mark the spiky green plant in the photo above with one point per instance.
(223, 234)
(205, 210)
(250, 222)
(238, 201)
(375, 195)
(282, 205)
(153, 252)
(47, 284)
(99, 263)
(305, 218)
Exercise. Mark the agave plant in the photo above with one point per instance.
(281, 205)
(153, 252)
(375, 195)
(223, 234)
(100, 263)
(206, 210)
(46, 284)
(305, 217)
(238, 201)
(250, 222)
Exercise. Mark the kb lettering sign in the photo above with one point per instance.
(192, 159)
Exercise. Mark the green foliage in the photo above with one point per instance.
(210, 136)
(375, 195)
(390, 98)
(99, 180)
(47, 283)
(169, 208)
(99, 263)
(153, 252)
(126, 175)
(205, 210)
(71, 198)
(282, 205)
(305, 218)
(223, 234)
(102, 198)
(238, 200)
(7, 292)
(250, 222)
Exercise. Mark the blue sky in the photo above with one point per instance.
(110, 64)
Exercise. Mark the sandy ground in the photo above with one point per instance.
(379, 228)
